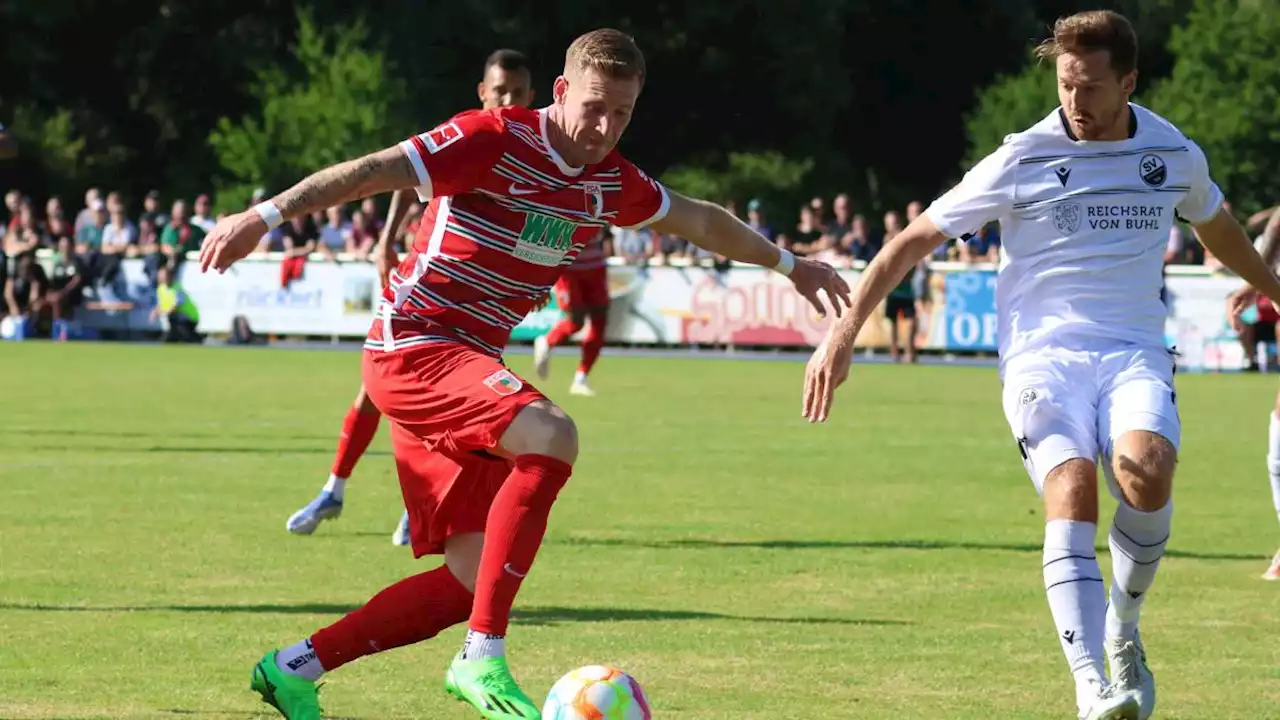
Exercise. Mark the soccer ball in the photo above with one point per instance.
(596, 692)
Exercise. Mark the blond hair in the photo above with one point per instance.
(610, 52)
(1091, 31)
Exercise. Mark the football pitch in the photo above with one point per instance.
(738, 561)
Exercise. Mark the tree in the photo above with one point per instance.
(342, 102)
(1224, 93)
(747, 175)
(1011, 103)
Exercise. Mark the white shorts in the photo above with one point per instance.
(1066, 404)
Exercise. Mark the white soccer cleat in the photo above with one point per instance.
(1105, 702)
(580, 387)
(401, 535)
(541, 356)
(1130, 674)
(1273, 572)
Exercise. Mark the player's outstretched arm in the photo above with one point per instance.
(235, 236)
(829, 366)
(714, 228)
(1228, 242)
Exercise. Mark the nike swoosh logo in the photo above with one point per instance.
(517, 190)
(511, 570)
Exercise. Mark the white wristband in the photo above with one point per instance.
(786, 262)
(270, 214)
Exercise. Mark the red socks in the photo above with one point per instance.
(412, 610)
(517, 521)
(358, 430)
(593, 343)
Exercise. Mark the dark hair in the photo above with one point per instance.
(1094, 30)
(507, 59)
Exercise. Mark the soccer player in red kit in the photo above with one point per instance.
(583, 294)
(514, 195)
(507, 81)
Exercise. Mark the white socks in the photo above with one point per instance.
(1273, 461)
(479, 646)
(1137, 541)
(300, 660)
(337, 486)
(580, 378)
(1073, 583)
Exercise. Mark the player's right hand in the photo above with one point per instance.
(385, 259)
(231, 240)
(812, 278)
(1237, 303)
(828, 368)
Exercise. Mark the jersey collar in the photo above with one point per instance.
(563, 166)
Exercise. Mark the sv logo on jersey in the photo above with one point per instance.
(1066, 217)
(595, 199)
(544, 240)
(1153, 170)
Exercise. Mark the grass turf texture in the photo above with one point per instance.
(738, 561)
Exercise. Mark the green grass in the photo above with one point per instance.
(740, 562)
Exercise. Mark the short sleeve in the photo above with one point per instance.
(644, 200)
(985, 194)
(1204, 199)
(454, 157)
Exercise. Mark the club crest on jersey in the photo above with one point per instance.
(1153, 170)
(442, 137)
(594, 197)
(504, 383)
(1066, 217)
(1026, 397)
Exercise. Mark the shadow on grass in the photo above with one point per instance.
(545, 615)
(906, 544)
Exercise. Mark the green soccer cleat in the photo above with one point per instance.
(297, 698)
(487, 686)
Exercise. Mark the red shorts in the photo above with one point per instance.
(445, 495)
(1267, 311)
(291, 270)
(583, 289)
(445, 401)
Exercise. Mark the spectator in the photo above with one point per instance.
(807, 238)
(369, 208)
(25, 235)
(900, 306)
(53, 210)
(66, 286)
(859, 246)
(299, 239)
(756, 220)
(819, 208)
(203, 217)
(363, 235)
(119, 240)
(86, 216)
(838, 232)
(334, 233)
(151, 210)
(175, 310)
(635, 246)
(89, 235)
(12, 201)
(24, 289)
(408, 231)
(180, 236)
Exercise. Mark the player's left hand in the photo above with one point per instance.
(812, 278)
(1237, 303)
(231, 240)
(827, 370)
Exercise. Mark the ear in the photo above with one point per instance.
(480, 91)
(1130, 82)
(559, 89)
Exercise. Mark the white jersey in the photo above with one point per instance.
(1084, 226)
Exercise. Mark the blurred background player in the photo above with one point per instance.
(583, 294)
(1240, 301)
(507, 81)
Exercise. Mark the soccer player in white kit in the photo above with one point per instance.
(1085, 199)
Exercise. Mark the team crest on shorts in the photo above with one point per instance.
(504, 382)
(1066, 217)
(1027, 397)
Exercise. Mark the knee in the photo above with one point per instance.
(1071, 491)
(1143, 465)
(542, 428)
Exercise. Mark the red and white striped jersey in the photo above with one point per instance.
(506, 216)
